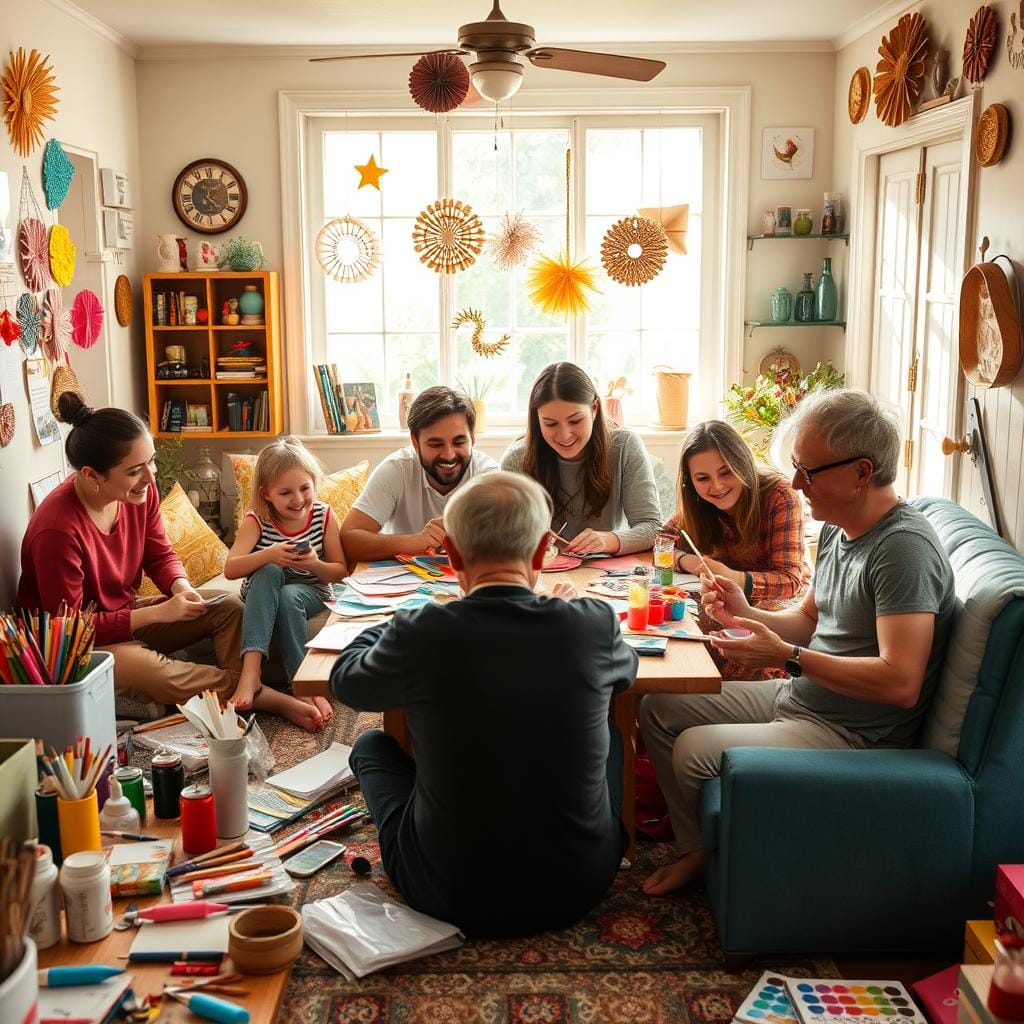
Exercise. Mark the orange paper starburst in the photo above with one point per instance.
(899, 75)
(979, 42)
(29, 98)
(559, 287)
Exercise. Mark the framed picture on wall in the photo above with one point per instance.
(118, 229)
(41, 488)
(114, 188)
(787, 153)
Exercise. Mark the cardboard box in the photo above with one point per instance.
(980, 942)
(1010, 898)
(939, 995)
(18, 774)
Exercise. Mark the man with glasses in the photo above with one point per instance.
(863, 648)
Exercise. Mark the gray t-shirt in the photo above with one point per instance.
(632, 511)
(897, 567)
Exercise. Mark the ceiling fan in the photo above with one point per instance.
(498, 43)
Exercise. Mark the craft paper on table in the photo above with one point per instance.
(647, 645)
(320, 774)
(337, 636)
(667, 631)
(92, 1003)
(206, 934)
(47, 430)
(138, 869)
(767, 1002)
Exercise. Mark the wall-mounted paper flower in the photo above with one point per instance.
(370, 173)
(633, 250)
(57, 174)
(438, 82)
(34, 253)
(480, 347)
(899, 75)
(29, 98)
(62, 255)
(559, 287)
(86, 319)
(979, 43)
(56, 333)
(448, 235)
(347, 250)
(30, 320)
(515, 240)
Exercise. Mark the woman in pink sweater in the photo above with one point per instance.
(89, 543)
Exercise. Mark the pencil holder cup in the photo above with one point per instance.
(49, 824)
(19, 991)
(79, 824)
(229, 780)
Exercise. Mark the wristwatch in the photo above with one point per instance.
(793, 663)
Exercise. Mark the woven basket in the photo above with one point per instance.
(64, 379)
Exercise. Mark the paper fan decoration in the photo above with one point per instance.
(30, 321)
(899, 75)
(480, 347)
(123, 300)
(633, 250)
(62, 255)
(34, 253)
(559, 287)
(29, 97)
(6, 424)
(979, 42)
(515, 240)
(58, 171)
(448, 236)
(56, 333)
(438, 82)
(86, 319)
(347, 250)
(673, 220)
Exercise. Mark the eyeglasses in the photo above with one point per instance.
(809, 474)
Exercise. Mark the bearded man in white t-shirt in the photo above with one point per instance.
(400, 509)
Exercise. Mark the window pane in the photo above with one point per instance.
(360, 357)
(614, 171)
(673, 168)
(672, 300)
(342, 195)
(540, 171)
(552, 244)
(485, 288)
(614, 354)
(411, 181)
(353, 307)
(480, 174)
(409, 353)
(410, 288)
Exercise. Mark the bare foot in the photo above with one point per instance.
(680, 872)
(323, 705)
(249, 682)
(298, 711)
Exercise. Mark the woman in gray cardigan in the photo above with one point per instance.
(600, 482)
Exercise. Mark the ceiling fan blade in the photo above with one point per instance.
(373, 56)
(612, 65)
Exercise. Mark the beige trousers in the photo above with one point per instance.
(686, 734)
(143, 670)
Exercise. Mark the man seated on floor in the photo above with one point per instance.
(400, 509)
(507, 821)
(863, 648)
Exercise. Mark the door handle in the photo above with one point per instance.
(950, 446)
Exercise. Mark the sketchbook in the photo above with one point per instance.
(84, 1004)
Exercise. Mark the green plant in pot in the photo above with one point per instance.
(476, 388)
(171, 467)
(242, 255)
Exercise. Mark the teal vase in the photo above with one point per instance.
(826, 303)
(803, 308)
(250, 302)
(782, 304)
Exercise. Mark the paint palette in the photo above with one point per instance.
(768, 1002)
(852, 1002)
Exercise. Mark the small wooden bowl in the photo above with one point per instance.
(264, 940)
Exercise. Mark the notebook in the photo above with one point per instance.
(91, 1004)
(650, 645)
(139, 869)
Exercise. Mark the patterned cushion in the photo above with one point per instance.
(339, 489)
(201, 551)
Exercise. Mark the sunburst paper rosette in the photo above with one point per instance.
(62, 255)
(899, 75)
(34, 253)
(448, 236)
(86, 319)
(514, 241)
(438, 82)
(56, 331)
(979, 43)
(29, 98)
(559, 287)
(633, 250)
(347, 250)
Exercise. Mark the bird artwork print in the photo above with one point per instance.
(788, 151)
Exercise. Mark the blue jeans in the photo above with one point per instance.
(278, 609)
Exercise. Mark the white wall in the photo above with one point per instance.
(96, 116)
(998, 212)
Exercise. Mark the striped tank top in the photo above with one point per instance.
(313, 532)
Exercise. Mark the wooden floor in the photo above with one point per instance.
(906, 971)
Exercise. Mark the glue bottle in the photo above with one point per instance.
(118, 814)
(405, 397)
(44, 901)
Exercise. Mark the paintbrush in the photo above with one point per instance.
(700, 558)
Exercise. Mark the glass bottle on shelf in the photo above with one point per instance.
(803, 225)
(826, 302)
(405, 397)
(803, 305)
(207, 482)
(782, 304)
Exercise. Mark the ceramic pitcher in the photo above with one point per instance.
(167, 254)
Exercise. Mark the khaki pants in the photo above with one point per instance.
(142, 669)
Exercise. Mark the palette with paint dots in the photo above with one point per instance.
(864, 1001)
(767, 1003)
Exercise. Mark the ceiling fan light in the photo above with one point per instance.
(496, 80)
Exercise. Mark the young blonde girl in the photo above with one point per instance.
(288, 548)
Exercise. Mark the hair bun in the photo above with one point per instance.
(72, 409)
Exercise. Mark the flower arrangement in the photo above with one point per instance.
(763, 405)
(241, 255)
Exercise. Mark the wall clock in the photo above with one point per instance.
(209, 196)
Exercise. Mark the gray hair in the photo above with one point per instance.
(852, 422)
(498, 517)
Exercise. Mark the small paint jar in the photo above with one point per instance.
(88, 909)
(168, 782)
(198, 820)
(655, 611)
(133, 788)
(676, 610)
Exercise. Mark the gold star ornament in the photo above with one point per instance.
(370, 173)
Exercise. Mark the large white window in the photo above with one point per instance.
(398, 321)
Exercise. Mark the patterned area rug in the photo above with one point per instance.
(632, 959)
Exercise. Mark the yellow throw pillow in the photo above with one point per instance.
(201, 551)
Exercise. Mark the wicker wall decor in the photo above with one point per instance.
(438, 82)
(448, 236)
(979, 43)
(62, 255)
(86, 319)
(56, 328)
(58, 171)
(34, 253)
(858, 97)
(1015, 49)
(514, 241)
(30, 319)
(480, 347)
(633, 250)
(6, 424)
(899, 75)
(64, 379)
(993, 134)
(347, 250)
(123, 305)
(29, 98)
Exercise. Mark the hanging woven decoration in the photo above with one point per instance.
(6, 424)
(123, 307)
(438, 82)
(979, 43)
(56, 334)
(86, 319)
(899, 75)
(34, 253)
(515, 240)
(347, 250)
(633, 250)
(10, 329)
(557, 285)
(448, 236)
(29, 98)
(62, 255)
(30, 320)
(64, 379)
(58, 171)
(480, 347)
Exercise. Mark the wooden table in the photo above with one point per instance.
(686, 668)
(265, 991)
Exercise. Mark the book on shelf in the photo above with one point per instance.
(331, 397)
(197, 416)
(160, 309)
(173, 416)
(248, 412)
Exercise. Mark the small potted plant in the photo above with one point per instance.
(476, 388)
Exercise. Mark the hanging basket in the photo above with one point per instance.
(64, 379)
